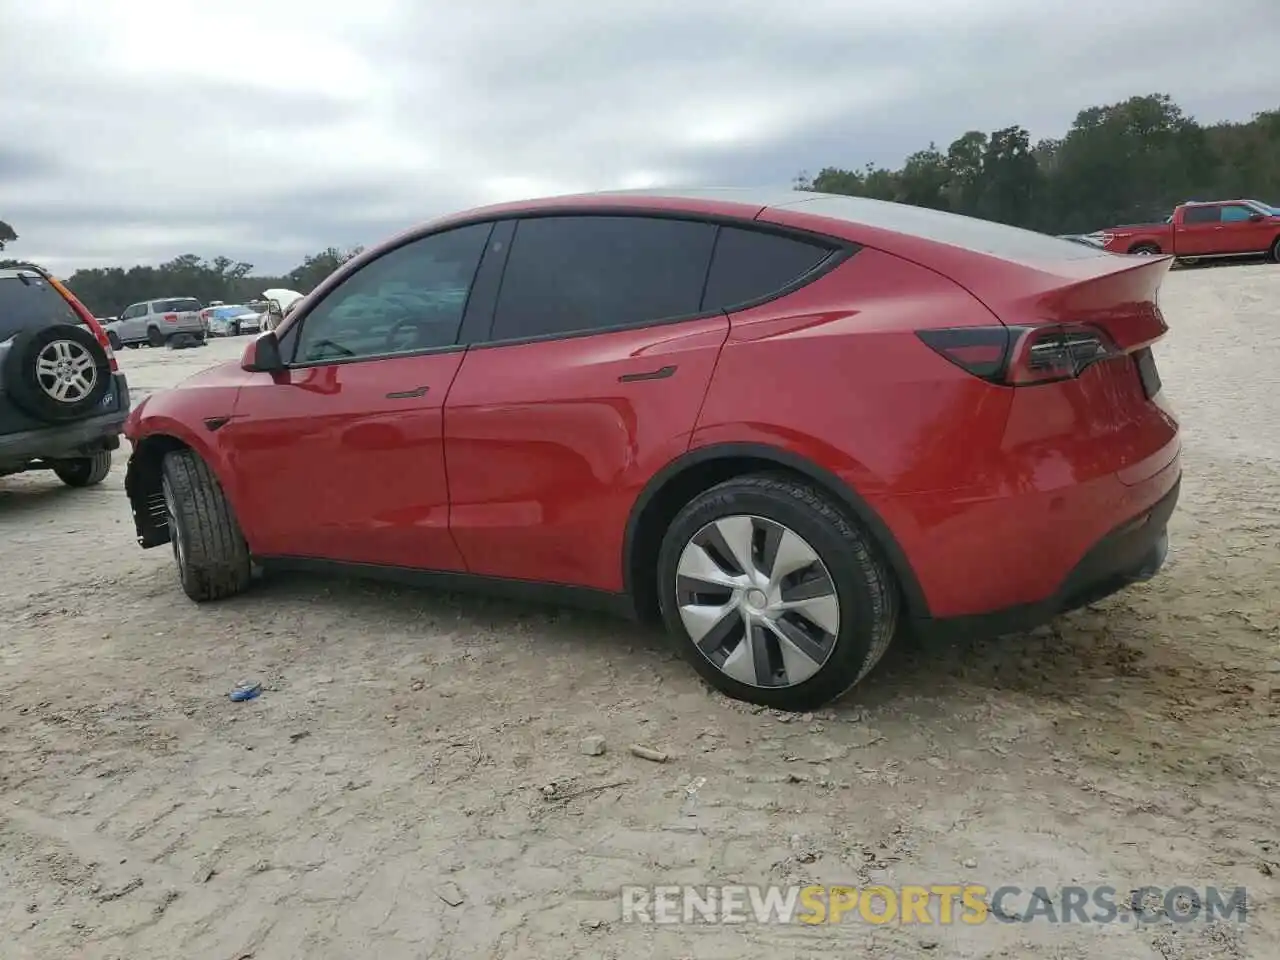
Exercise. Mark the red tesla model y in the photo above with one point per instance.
(786, 424)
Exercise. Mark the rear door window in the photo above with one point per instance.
(751, 265)
(27, 302)
(575, 274)
(1201, 214)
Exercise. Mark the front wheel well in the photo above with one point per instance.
(142, 484)
(659, 507)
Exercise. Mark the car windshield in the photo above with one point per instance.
(223, 313)
(177, 305)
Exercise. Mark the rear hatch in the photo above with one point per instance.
(180, 313)
(28, 302)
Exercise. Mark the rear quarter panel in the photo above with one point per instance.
(835, 373)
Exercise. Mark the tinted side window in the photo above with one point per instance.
(570, 274)
(750, 265)
(407, 300)
(1236, 214)
(1201, 214)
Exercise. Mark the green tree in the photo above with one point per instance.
(1127, 161)
(316, 267)
(7, 234)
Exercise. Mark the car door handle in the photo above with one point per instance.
(660, 374)
(408, 394)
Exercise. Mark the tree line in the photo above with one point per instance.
(106, 291)
(1123, 162)
(1120, 163)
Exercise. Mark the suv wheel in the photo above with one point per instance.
(210, 550)
(155, 337)
(1275, 251)
(84, 471)
(113, 340)
(57, 373)
(774, 596)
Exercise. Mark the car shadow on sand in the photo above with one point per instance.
(26, 493)
(1076, 655)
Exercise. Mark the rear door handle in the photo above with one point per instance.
(660, 374)
(408, 394)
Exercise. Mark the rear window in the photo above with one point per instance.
(749, 265)
(27, 302)
(968, 233)
(179, 305)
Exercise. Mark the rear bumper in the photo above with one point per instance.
(78, 439)
(1133, 552)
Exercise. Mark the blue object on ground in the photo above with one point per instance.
(246, 691)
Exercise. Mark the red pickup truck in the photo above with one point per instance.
(1223, 228)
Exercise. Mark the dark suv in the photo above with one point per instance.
(63, 400)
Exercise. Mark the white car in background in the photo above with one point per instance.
(232, 320)
(279, 302)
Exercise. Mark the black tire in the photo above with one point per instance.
(113, 340)
(84, 471)
(234, 330)
(133, 346)
(208, 546)
(868, 598)
(22, 380)
(156, 337)
(1275, 251)
(1146, 250)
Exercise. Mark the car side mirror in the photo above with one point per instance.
(263, 354)
(1256, 218)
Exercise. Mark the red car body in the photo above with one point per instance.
(982, 399)
(1228, 228)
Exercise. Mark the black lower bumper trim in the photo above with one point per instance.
(65, 440)
(1133, 552)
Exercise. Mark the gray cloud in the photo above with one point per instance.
(269, 129)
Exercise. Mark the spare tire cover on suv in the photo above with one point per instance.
(56, 373)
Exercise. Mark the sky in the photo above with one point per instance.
(137, 130)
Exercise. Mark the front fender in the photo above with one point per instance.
(153, 433)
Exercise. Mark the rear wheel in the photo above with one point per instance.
(773, 595)
(84, 471)
(155, 337)
(113, 340)
(1275, 251)
(208, 546)
(234, 330)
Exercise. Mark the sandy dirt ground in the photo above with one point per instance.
(410, 783)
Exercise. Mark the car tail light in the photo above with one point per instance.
(89, 320)
(1022, 356)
